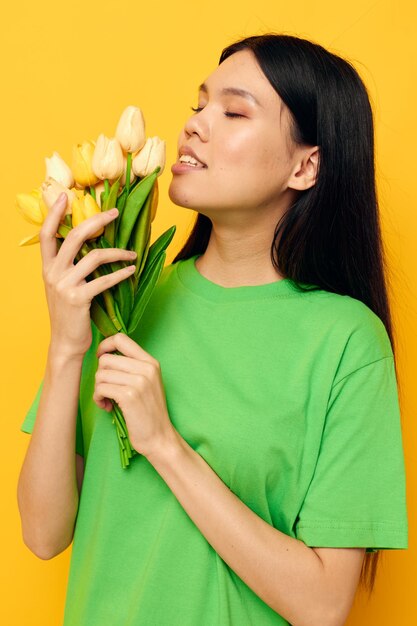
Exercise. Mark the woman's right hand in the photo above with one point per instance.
(68, 293)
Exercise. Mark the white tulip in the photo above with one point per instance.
(51, 189)
(57, 169)
(130, 130)
(107, 159)
(151, 155)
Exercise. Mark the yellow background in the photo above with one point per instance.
(68, 71)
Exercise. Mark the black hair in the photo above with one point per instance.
(330, 237)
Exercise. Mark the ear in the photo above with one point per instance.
(305, 171)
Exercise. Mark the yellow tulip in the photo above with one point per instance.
(130, 130)
(78, 210)
(34, 210)
(57, 169)
(29, 207)
(82, 156)
(38, 194)
(107, 161)
(27, 241)
(42, 205)
(83, 207)
(51, 189)
(149, 157)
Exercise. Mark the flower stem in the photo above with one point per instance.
(128, 166)
(125, 447)
(93, 191)
(106, 188)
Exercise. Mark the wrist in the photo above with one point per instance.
(59, 351)
(167, 449)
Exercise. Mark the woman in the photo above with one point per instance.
(260, 389)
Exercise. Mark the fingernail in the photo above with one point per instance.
(113, 212)
(62, 197)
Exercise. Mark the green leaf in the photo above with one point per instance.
(155, 250)
(135, 184)
(145, 254)
(146, 287)
(111, 199)
(104, 267)
(123, 291)
(147, 271)
(161, 243)
(120, 204)
(140, 235)
(105, 243)
(109, 203)
(99, 298)
(132, 209)
(101, 319)
(119, 316)
(121, 200)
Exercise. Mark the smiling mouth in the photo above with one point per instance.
(181, 166)
(199, 164)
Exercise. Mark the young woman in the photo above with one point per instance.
(260, 389)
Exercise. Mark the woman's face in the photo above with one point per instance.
(250, 159)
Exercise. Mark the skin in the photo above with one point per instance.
(254, 172)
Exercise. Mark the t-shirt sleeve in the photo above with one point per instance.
(29, 421)
(357, 496)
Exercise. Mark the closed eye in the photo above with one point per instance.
(227, 113)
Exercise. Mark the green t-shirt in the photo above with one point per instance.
(290, 397)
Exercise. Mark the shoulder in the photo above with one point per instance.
(353, 314)
(345, 317)
(361, 333)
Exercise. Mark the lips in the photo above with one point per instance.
(188, 150)
(179, 168)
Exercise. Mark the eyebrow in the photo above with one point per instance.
(233, 90)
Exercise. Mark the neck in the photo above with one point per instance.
(235, 260)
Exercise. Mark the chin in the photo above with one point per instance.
(179, 196)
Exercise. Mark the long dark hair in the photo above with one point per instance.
(330, 237)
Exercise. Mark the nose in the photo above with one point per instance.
(196, 125)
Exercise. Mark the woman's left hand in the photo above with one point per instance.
(133, 380)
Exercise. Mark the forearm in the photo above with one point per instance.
(47, 487)
(284, 572)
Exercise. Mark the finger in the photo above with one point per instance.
(107, 390)
(97, 257)
(78, 235)
(47, 238)
(109, 361)
(117, 377)
(98, 285)
(105, 404)
(126, 345)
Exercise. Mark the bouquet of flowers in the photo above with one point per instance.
(117, 172)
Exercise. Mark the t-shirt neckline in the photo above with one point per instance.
(191, 278)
